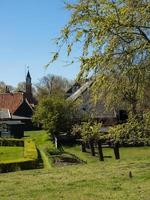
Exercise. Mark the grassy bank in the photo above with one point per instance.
(92, 181)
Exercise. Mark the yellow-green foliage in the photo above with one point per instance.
(30, 151)
(88, 131)
(135, 131)
(114, 42)
(44, 145)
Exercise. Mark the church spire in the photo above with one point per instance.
(28, 87)
(28, 78)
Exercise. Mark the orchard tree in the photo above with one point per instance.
(114, 38)
(134, 132)
(90, 132)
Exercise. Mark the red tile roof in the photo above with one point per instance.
(11, 101)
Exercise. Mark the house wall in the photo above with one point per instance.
(17, 131)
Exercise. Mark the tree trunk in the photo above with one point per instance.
(116, 151)
(134, 106)
(92, 148)
(100, 151)
(83, 146)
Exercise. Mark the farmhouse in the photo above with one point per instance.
(86, 106)
(18, 105)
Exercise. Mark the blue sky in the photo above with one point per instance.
(27, 30)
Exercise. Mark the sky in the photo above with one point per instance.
(27, 32)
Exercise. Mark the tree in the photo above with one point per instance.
(21, 86)
(115, 48)
(52, 85)
(135, 132)
(4, 87)
(55, 114)
(146, 118)
(90, 133)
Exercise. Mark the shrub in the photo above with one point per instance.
(134, 132)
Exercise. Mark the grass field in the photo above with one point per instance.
(10, 153)
(94, 180)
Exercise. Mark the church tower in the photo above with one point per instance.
(29, 88)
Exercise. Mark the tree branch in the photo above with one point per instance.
(143, 33)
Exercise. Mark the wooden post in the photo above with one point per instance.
(116, 151)
(92, 148)
(100, 151)
(56, 142)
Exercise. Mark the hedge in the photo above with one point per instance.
(30, 150)
(29, 161)
(18, 165)
(11, 142)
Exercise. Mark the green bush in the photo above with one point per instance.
(134, 132)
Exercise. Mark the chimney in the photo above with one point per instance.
(7, 89)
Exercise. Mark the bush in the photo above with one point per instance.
(134, 132)
(51, 150)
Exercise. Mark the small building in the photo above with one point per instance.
(11, 128)
(5, 115)
(19, 105)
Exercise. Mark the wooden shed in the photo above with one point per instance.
(11, 128)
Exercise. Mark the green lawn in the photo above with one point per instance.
(10, 153)
(94, 180)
